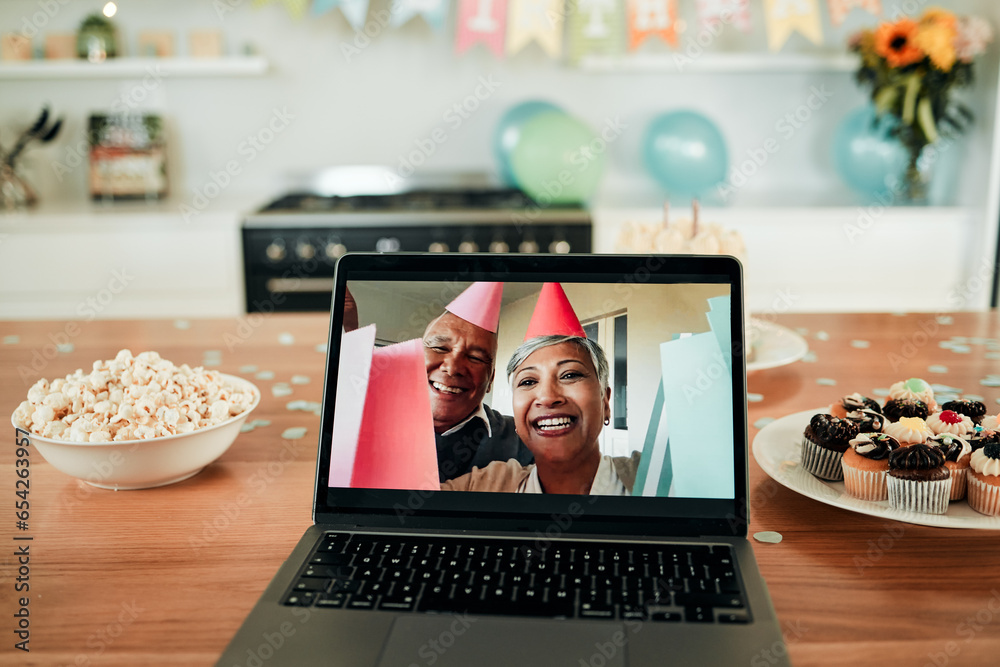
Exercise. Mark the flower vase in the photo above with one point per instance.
(914, 185)
(15, 194)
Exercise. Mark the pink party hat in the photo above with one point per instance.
(479, 304)
(553, 315)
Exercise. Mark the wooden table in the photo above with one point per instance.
(165, 576)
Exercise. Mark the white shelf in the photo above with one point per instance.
(123, 68)
(736, 63)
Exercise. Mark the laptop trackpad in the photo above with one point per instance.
(462, 640)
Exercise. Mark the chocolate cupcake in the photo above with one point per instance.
(980, 437)
(974, 410)
(824, 442)
(897, 408)
(867, 421)
(854, 403)
(918, 480)
(956, 450)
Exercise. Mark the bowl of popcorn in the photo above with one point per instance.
(135, 422)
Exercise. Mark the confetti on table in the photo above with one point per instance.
(249, 368)
(768, 536)
(755, 398)
(305, 406)
(992, 355)
(961, 349)
(321, 348)
(826, 382)
(945, 389)
(214, 354)
(11, 340)
(899, 313)
(802, 331)
(281, 389)
(211, 358)
(860, 344)
(265, 375)
(990, 381)
(945, 319)
(211, 362)
(300, 379)
(822, 335)
(65, 348)
(182, 324)
(937, 369)
(881, 391)
(764, 421)
(254, 423)
(246, 428)
(286, 339)
(810, 357)
(293, 433)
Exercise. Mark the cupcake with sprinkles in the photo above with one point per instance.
(980, 437)
(824, 442)
(974, 410)
(909, 431)
(951, 422)
(853, 403)
(984, 480)
(957, 455)
(897, 408)
(917, 480)
(865, 464)
(914, 388)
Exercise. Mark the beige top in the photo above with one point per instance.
(615, 476)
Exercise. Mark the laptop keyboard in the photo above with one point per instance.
(594, 580)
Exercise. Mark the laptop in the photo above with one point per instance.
(409, 564)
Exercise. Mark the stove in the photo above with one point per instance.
(290, 246)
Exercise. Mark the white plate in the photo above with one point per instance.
(774, 345)
(778, 450)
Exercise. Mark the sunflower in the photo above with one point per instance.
(936, 35)
(894, 42)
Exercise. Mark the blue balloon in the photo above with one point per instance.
(685, 152)
(508, 134)
(866, 155)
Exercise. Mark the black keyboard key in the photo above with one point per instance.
(633, 611)
(345, 585)
(304, 599)
(324, 558)
(329, 571)
(596, 610)
(664, 615)
(396, 603)
(310, 584)
(698, 615)
(362, 601)
(331, 600)
(708, 600)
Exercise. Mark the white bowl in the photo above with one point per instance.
(144, 464)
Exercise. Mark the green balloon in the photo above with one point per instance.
(558, 159)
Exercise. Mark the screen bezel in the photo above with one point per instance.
(420, 510)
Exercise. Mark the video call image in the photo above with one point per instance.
(560, 388)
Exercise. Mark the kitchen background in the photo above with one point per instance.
(315, 95)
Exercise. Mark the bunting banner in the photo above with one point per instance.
(433, 11)
(783, 17)
(538, 20)
(355, 11)
(714, 12)
(651, 18)
(839, 9)
(595, 27)
(481, 21)
(296, 8)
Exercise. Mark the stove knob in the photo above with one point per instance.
(335, 250)
(276, 250)
(560, 247)
(528, 246)
(468, 246)
(305, 250)
(388, 244)
(499, 246)
(437, 246)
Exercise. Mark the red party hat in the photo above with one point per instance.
(553, 315)
(479, 304)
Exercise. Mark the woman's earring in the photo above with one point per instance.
(607, 420)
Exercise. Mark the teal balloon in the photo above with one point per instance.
(865, 154)
(508, 133)
(558, 159)
(685, 152)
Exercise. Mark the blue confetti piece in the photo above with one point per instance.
(961, 349)
(990, 382)
(768, 537)
(881, 391)
(945, 319)
(249, 368)
(246, 428)
(945, 389)
(764, 421)
(281, 389)
(826, 382)
(810, 357)
(860, 344)
(65, 348)
(321, 348)
(286, 339)
(937, 369)
(978, 340)
(212, 353)
(992, 355)
(182, 324)
(265, 375)
(11, 340)
(294, 433)
(211, 362)
(755, 398)
(300, 379)
(802, 331)
(822, 335)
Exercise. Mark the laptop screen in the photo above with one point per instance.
(521, 386)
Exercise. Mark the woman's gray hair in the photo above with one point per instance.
(531, 345)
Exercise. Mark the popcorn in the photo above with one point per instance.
(130, 398)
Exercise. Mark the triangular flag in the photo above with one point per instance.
(553, 316)
(651, 17)
(839, 9)
(595, 27)
(297, 8)
(433, 11)
(479, 304)
(481, 21)
(783, 17)
(539, 20)
(355, 11)
(735, 12)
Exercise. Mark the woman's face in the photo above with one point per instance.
(559, 408)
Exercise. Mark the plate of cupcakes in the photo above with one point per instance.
(908, 459)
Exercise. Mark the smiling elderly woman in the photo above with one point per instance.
(561, 402)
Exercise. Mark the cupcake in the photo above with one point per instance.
(956, 452)
(897, 408)
(990, 422)
(949, 421)
(984, 480)
(867, 421)
(909, 431)
(974, 410)
(914, 388)
(980, 437)
(853, 403)
(824, 442)
(917, 480)
(865, 464)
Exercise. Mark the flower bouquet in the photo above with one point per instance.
(911, 67)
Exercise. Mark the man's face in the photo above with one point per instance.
(460, 359)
